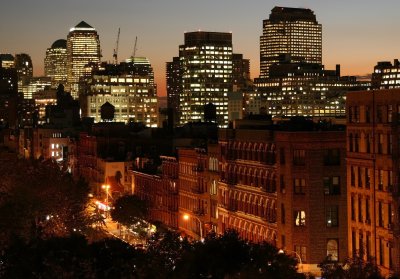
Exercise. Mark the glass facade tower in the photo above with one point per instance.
(206, 61)
(290, 32)
(83, 47)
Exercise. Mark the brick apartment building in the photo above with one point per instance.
(373, 176)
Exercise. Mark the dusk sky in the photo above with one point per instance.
(356, 33)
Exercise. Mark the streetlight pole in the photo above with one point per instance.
(187, 217)
(106, 187)
(281, 251)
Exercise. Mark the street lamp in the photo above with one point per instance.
(106, 187)
(186, 217)
(281, 251)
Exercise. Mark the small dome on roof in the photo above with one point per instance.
(59, 44)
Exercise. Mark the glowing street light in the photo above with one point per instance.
(186, 217)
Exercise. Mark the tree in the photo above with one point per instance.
(352, 268)
(38, 200)
(131, 211)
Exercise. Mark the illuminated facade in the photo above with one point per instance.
(55, 63)
(290, 31)
(306, 89)
(206, 61)
(83, 47)
(161, 192)
(34, 85)
(373, 119)
(386, 75)
(285, 184)
(129, 87)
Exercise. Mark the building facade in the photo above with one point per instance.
(373, 177)
(55, 63)
(306, 89)
(129, 89)
(290, 31)
(206, 61)
(83, 47)
(24, 67)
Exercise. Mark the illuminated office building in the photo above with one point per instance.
(129, 87)
(291, 31)
(24, 67)
(34, 85)
(306, 89)
(206, 61)
(386, 75)
(83, 47)
(55, 63)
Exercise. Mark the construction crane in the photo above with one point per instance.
(115, 54)
(134, 50)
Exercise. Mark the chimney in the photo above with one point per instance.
(338, 70)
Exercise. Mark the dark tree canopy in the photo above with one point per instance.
(38, 200)
(128, 210)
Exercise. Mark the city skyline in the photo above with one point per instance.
(356, 35)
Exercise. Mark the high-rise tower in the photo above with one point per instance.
(290, 32)
(206, 60)
(83, 47)
(55, 63)
(24, 67)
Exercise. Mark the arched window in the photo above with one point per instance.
(332, 250)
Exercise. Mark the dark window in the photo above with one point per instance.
(282, 155)
(332, 157)
(299, 157)
(352, 176)
(299, 185)
(332, 185)
(282, 184)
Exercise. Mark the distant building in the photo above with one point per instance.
(174, 87)
(386, 75)
(55, 63)
(305, 89)
(206, 61)
(240, 73)
(129, 87)
(290, 31)
(7, 61)
(34, 85)
(44, 98)
(373, 176)
(83, 47)
(235, 105)
(24, 67)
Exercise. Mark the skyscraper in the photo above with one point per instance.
(83, 47)
(290, 31)
(206, 61)
(174, 86)
(24, 67)
(55, 63)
